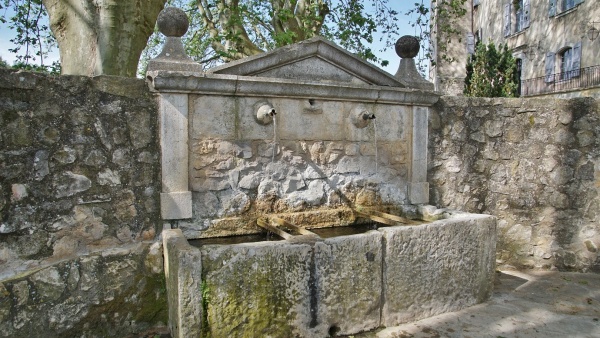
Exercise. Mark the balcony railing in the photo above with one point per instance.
(575, 79)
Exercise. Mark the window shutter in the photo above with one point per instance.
(576, 60)
(470, 43)
(549, 67)
(526, 10)
(552, 8)
(507, 19)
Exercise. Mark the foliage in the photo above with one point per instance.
(491, 72)
(53, 69)
(225, 30)
(33, 39)
(516, 4)
(443, 25)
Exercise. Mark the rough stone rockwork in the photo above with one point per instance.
(79, 185)
(533, 163)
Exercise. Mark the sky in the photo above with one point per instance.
(401, 6)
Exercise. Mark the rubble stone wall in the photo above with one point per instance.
(533, 163)
(79, 185)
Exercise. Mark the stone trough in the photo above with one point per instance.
(335, 286)
(307, 133)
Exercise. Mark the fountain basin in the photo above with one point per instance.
(336, 286)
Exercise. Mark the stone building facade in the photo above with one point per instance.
(551, 40)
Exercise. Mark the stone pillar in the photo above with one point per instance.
(407, 47)
(175, 199)
(419, 187)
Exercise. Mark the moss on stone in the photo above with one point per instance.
(247, 294)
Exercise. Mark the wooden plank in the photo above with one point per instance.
(265, 225)
(378, 219)
(393, 217)
(383, 215)
(284, 223)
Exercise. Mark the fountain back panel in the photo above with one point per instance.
(290, 133)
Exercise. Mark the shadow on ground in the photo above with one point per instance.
(524, 304)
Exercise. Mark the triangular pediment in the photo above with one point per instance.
(313, 60)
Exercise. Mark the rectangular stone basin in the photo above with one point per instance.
(337, 286)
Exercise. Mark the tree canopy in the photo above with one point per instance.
(33, 38)
(491, 72)
(220, 30)
(225, 30)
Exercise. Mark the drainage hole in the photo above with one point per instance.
(334, 330)
(370, 256)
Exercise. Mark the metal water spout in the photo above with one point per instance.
(265, 114)
(361, 117)
(368, 116)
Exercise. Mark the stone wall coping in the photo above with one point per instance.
(206, 83)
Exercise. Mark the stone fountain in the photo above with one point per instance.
(307, 136)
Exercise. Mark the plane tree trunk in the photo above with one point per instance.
(102, 37)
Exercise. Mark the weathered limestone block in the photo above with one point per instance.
(312, 196)
(49, 285)
(65, 155)
(348, 280)
(95, 158)
(234, 203)
(184, 291)
(109, 177)
(70, 184)
(140, 131)
(5, 305)
(257, 289)
(40, 164)
(296, 126)
(439, 267)
(222, 112)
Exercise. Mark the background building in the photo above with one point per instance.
(555, 43)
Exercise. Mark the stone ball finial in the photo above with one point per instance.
(407, 46)
(172, 22)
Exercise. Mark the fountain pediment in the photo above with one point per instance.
(312, 60)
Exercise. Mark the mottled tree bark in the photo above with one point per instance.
(102, 36)
(228, 24)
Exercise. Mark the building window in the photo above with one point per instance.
(518, 75)
(566, 63)
(555, 7)
(516, 16)
(568, 4)
(519, 15)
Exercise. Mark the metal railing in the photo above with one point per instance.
(575, 79)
